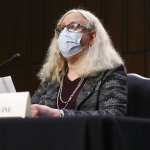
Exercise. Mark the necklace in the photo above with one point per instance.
(59, 95)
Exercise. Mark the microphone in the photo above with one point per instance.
(9, 60)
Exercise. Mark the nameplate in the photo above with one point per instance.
(15, 104)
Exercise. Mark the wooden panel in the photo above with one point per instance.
(94, 7)
(18, 29)
(36, 19)
(135, 63)
(12, 34)
(20, 75)
(3, 32)
(136, 26)
(124, 26)
(147, 25)
(113, 12)
(147, 64)
(15, 30)
(35, 80)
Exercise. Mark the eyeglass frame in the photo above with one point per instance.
(87, 27)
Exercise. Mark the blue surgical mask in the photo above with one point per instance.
(69, 43)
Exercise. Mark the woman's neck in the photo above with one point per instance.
(71, 62)
(72, 75)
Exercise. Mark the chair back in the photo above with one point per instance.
(138, 96)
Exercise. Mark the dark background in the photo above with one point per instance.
(26, 26)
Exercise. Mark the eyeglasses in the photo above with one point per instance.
(74, 27)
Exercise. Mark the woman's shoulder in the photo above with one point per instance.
(48, 84)
(45, 87)
(116, 75)
(118, 72)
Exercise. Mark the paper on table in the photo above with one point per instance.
(6, 85)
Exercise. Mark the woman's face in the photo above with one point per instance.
(87, 37)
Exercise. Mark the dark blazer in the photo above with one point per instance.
(102, 94)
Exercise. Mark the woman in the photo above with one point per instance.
(83, 75)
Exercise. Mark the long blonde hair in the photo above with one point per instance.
(99, 57)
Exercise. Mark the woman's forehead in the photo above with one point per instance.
(74, 17)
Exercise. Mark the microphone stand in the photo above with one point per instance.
(9, 60)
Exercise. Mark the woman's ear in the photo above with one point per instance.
(87, 38)
(92, 36)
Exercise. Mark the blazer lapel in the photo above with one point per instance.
(87, 89)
